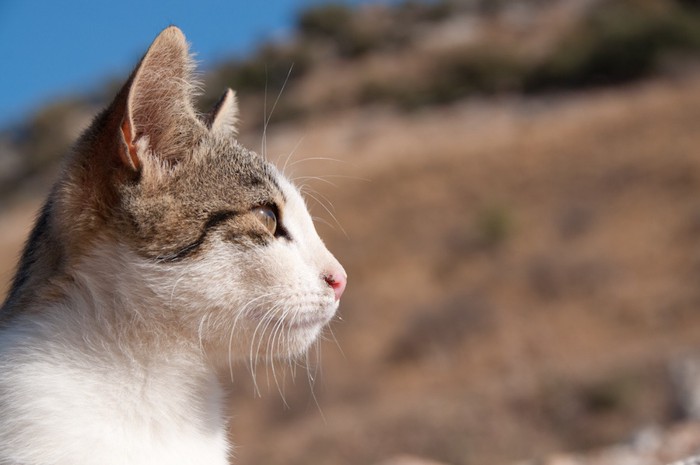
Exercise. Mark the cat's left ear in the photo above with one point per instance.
(223, 117)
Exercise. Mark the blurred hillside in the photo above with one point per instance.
(517, 187)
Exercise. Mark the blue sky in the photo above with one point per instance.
(56, 47)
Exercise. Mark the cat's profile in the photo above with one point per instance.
(165, 251)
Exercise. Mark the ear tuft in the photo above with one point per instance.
(223, 117)
(159, 105)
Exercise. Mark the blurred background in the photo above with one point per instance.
(512, 185)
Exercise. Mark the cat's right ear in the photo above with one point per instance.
(157, 114)
(223, 117)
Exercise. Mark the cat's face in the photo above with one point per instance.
(227, 241)
(209, 240)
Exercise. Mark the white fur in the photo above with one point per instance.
(126, 369)
(61, 406)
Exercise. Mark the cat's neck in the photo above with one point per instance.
(99, 297)
(81, 354)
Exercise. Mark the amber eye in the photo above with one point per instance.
(267, 217)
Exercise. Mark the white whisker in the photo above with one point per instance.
(303, 160)
(291, 154)
(274, 105)
(330, 213)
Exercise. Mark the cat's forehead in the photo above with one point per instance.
(222, 172)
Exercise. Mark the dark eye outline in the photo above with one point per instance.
(265, 213)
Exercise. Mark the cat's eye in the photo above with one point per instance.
(267, 217)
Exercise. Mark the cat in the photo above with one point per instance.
(165, 252)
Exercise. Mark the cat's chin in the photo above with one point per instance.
(308, 323)
(300, 335)
(282, 339)
(301, 339)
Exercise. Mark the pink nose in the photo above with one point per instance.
(337, 281)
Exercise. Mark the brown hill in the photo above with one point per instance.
(521, 273)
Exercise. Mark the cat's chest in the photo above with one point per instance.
(108, 414)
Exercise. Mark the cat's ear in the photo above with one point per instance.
(224, 116)
(158, 113)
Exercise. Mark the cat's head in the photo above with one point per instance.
(196, 231)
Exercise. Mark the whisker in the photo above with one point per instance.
(336, 176)
(336, 342)
(200, 332)
(185, 270)
(274, 105)
(242, 312)
(291, 154)
(323, 197)
(253, 357)
(322, 220)
(311, 386)
(303, 160)
(314, 178)
(330, 213)
(276, 332)
(263, 143)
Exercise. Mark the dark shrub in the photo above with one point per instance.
(618, 42)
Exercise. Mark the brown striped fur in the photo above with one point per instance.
(187, 173)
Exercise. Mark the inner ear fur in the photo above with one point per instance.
(159, 113)
(223, 117)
